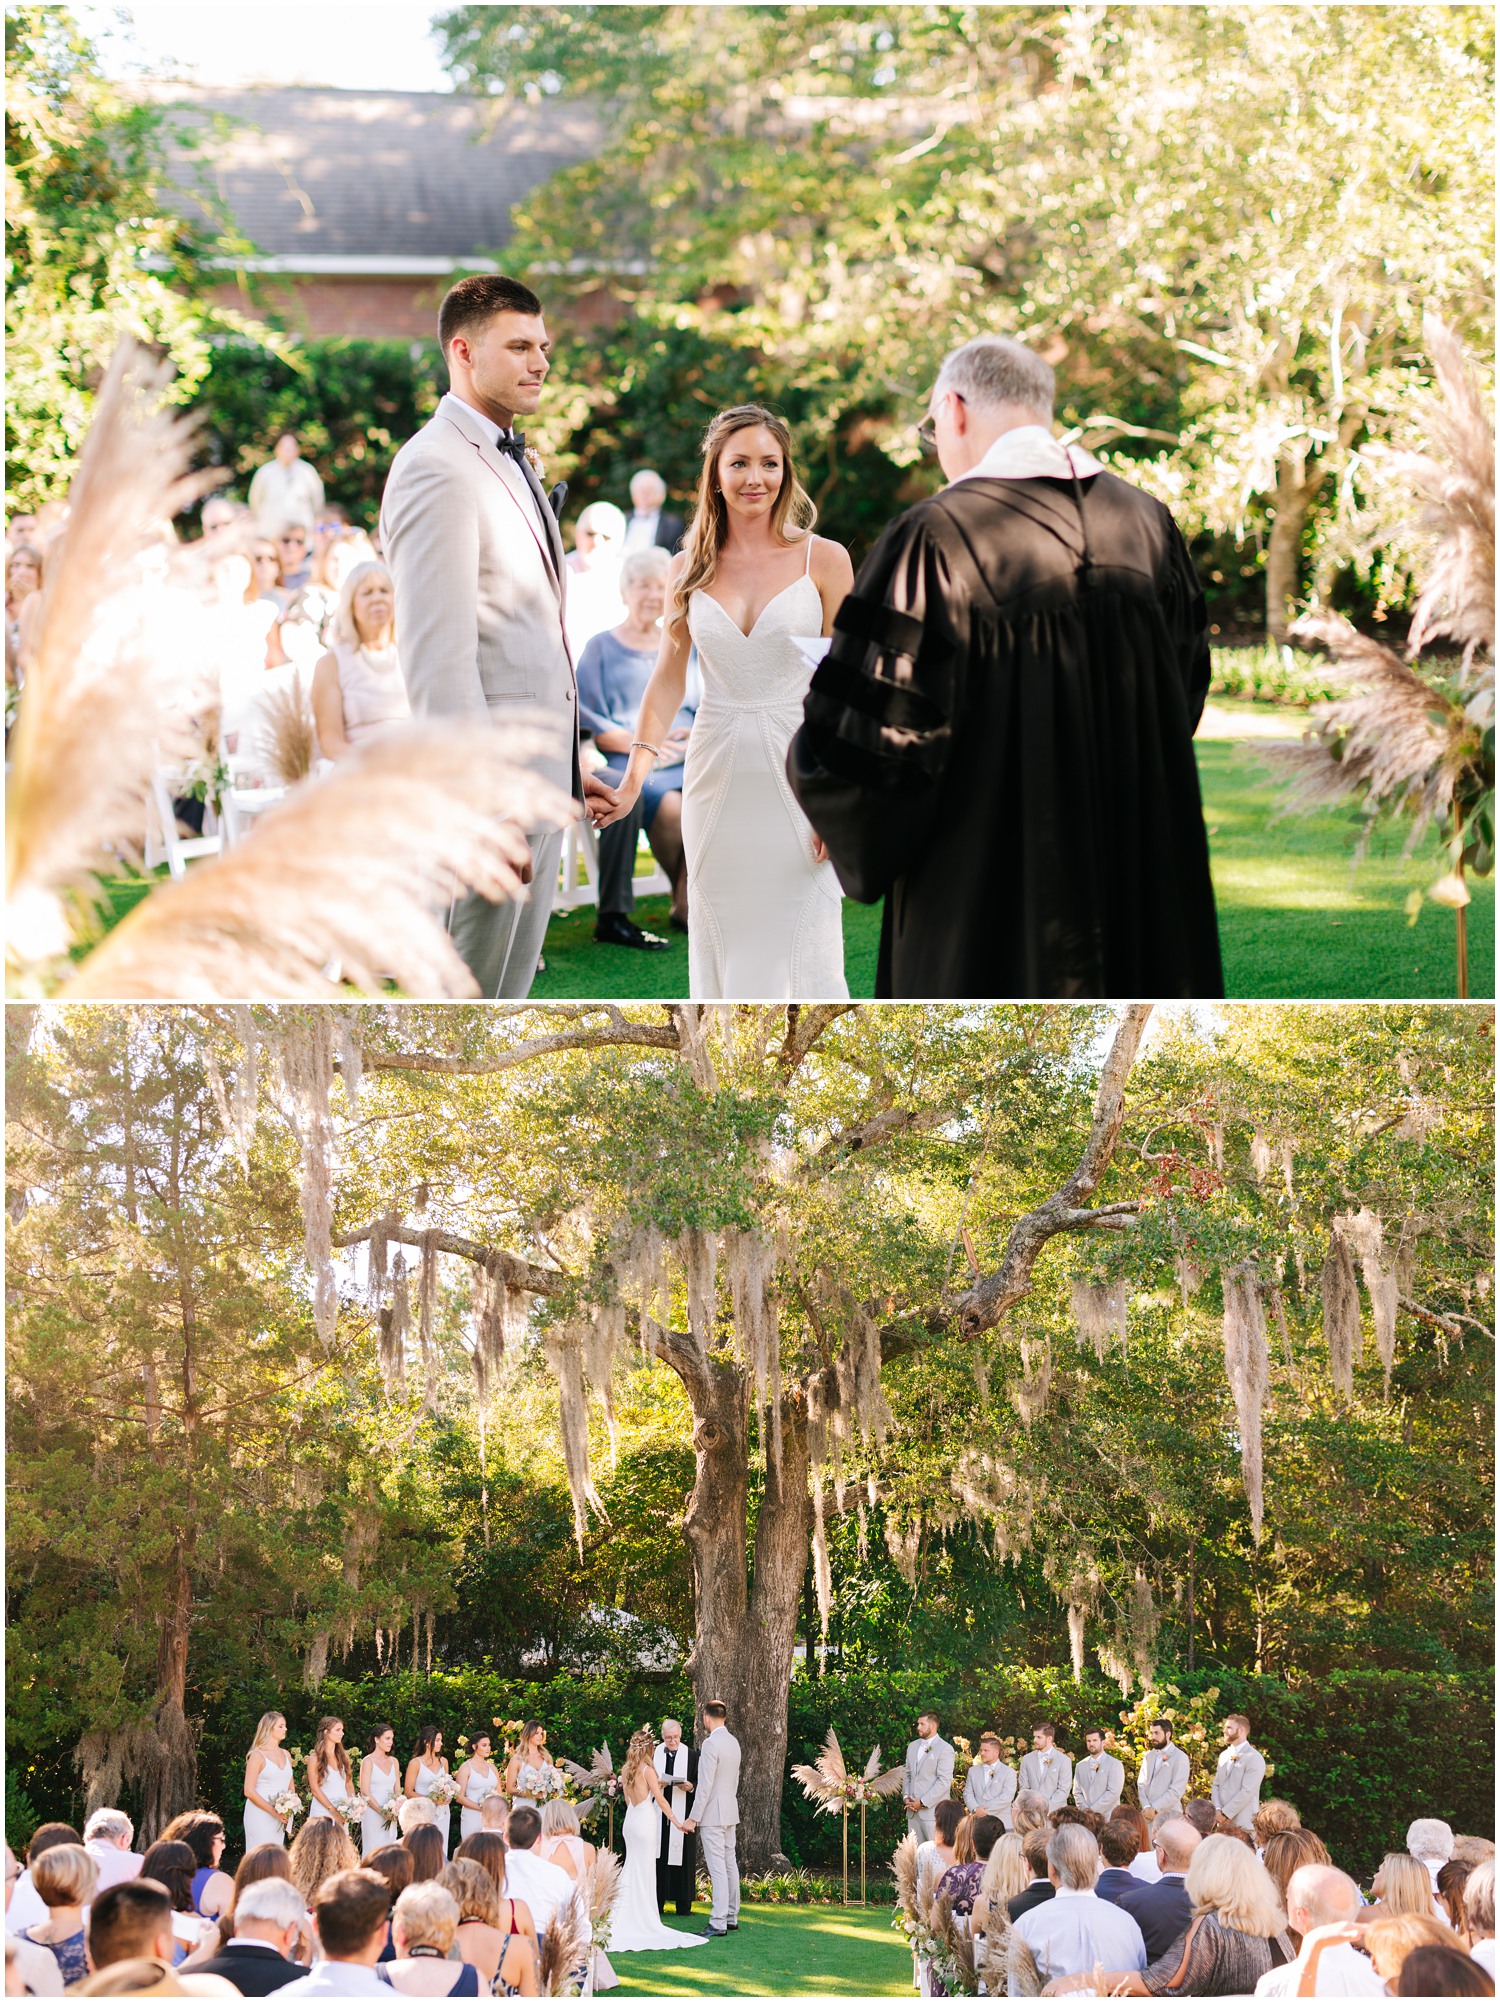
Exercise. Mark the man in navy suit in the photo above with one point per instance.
(1117, 1847)
(270, 1920)
(1041, 1887)
(1163, 1910)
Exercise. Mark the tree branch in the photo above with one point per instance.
(1451, 1324)
(803, 1028)
(518, 1272)
(984, 1304)
(616, 1032)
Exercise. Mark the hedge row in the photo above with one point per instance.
(1360, 1752)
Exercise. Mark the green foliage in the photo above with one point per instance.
(21, 1818)
(94, 250)
(1270, 673)
(351, 403)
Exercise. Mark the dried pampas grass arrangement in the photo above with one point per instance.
(288, 735)
(1411, 739)
(565, 1948)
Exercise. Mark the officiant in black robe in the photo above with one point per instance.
(677, 1854)
(999, 740)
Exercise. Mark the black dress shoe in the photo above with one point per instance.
(709, 1932)
(612, 929)
(733, 1926)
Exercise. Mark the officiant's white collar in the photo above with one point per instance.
(1030, 452)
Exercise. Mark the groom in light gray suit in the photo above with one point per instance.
(716, 1817)
(476, 556)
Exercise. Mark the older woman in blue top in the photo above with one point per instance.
(612, 674)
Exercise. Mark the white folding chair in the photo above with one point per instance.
(163, 842)
(580, 855)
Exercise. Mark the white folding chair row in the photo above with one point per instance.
(163, 841)
(580, 860)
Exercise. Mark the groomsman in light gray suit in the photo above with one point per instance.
(990, 1784)
(716, 1818)
(1236, 1791)
(1098, 1779)
(476, 556)
(1164, 1774)
(929, 1777)
(1046, 1770)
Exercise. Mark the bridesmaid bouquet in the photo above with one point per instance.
(444, 1790)
(551, 1784)
(352, 1811)
(287, 1803)
(390, 1814)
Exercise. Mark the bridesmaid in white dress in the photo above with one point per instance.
(379, 1778)
(330, 1778)
(424, 1769)
(765, 911)
(268, 1772)
(477, 1779)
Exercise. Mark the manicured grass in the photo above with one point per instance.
(1296, 918)
(778, 1950)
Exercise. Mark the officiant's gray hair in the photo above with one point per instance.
(671, 1724)
(993, 370)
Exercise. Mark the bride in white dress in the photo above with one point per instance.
(765, 911)
(635, 1918)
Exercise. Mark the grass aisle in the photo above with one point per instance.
(1295, 918)
(778, 1950)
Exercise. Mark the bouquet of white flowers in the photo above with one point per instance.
(444, 1790)
(352, 1810)
(551, 1784)
(390, 1814)
(287, 1803)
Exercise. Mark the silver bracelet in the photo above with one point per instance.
(639, 744)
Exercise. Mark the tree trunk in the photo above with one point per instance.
(744, 1636)
(1284, 552)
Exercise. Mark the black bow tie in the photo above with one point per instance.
(513, 444)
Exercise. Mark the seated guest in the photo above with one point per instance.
(1403, 1888)
(488, 1850)
(478, 1937)
(494, 1815)
(1143, 1863)
(349, 1913)
(392, 1861)
(1029, 1815)
(1451, 1880)
(1290, 1850)
(1041, 1889)
(1117, 1848)
(29, 1970)
(130, 1946)
(1237, 1934)
(320, 1850)
(1389, 1941)
(292, 545)
(417, 1812)
(1202, 1814)
(428, 1855)
(1163, 1910)
(1273, 1817)
(959, 1884)
(1322, 1908)
(64, 1877)
(1431, 1842)
(1473, 1850)
(1442, 1970)
(542, 1887)
(593, 602)
(23, 1907)
(562, 1840)
(1078, 1930)
(423, 1925)
(270, 1923)
(613, 670)
(1004, 1877)
(938, 1855)
(213, 1890)
(357, 690)
(107, 1836)
(172, 1864)
(1479, 1914)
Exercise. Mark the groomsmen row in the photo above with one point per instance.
(1097, 1783)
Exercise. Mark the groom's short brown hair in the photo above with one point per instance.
(477, 298)
(715, 1710)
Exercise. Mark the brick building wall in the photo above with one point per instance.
(374, 308)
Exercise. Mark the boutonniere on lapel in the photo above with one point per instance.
(534, 460)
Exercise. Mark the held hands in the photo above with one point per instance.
(604, 804)
(820, 849)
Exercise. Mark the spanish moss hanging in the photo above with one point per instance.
(1248, 1363)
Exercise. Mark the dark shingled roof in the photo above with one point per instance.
(307, 171)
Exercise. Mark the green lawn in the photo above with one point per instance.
(1296, 918)
(778, 1950)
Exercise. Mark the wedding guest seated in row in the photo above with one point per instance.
(1117, 1851)
(1029, 1816)
(593, 602)
(1403, 1887)
(540, 1885)
(1162, 1909)
(973, 1847)
(1292, 1850)
(392, 1863)
(173, 1865)
(269, 1929)
(107, 1836)
(428, 1852)
(1143, 1864)
(613, 671)
(1237, 1934)
(1319, 1897)
(320, 1851)
(649, 525)
(357, 689)
(940, 1852)
(561, 1841)
(64, 1878)
(423, 1926)
(349, 1916)
(1431, 1842)
(1479, 1914)
(1273, 1817)
(1076, 1930)
(513, 1918)
(1441, 1970)
(212, 1888)
(1040, 1889)
(131, 1948)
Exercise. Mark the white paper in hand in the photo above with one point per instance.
(812, 650)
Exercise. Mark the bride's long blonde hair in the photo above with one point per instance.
(710, 525)
(641, 1752)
